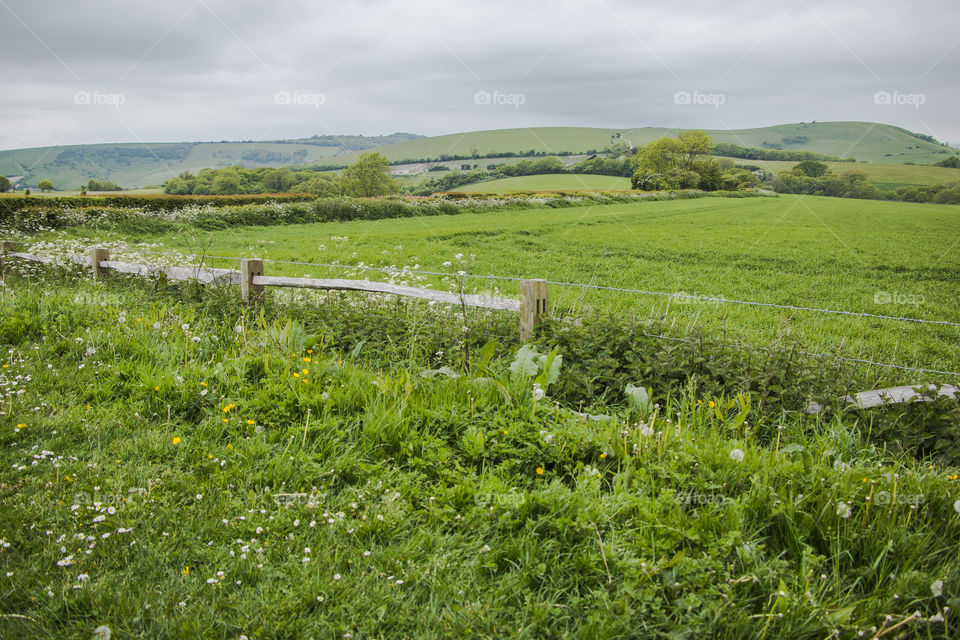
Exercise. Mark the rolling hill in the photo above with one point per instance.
(869, 141)
(136, 165)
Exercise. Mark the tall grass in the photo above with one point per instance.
(173, 464)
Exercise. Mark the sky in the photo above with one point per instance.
(190, 70)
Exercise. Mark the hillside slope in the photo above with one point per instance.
(133, 165)
(869, 141)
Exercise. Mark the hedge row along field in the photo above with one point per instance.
(148, 202)
(163, 212)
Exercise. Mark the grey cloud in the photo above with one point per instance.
(209, 69)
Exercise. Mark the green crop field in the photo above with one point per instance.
(880, 258)
(548, 182)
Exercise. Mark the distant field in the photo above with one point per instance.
(884, 176)
(549, 182)
(866, 256)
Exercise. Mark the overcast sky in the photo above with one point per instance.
(128, 71)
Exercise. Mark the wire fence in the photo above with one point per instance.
(508, 334)
(669, 295)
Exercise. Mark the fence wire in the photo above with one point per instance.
(507, 330)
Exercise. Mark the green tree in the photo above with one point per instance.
(668, 162)
(278, 180)
(325, 185)
(812, 168)
(45, 185)
(225, 184)
(953, 162)
(692, 145)
(4, 184)
(176, 186)
(369, 176)
(659, 156)
(102, 185)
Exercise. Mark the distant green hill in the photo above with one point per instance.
(869, 141)
(134, 165)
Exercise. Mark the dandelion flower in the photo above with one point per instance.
(176, 440)
(843, 509)
(539, 471)
(736, 455)
(538, 391)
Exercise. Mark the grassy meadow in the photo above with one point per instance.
(881, 258)
(175, 464)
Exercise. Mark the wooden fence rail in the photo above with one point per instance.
(532, 307)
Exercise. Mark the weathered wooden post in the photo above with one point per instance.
(98, 255)
(8, 246)
(533, 306)
(248, 270)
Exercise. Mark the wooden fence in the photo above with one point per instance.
(532, 306)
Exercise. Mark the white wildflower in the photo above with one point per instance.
(102, 632)
(537, 391)
(937, 588)
(736, 455)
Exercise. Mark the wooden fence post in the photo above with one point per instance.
(248, 269)
(533, 306)
(98, 255)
